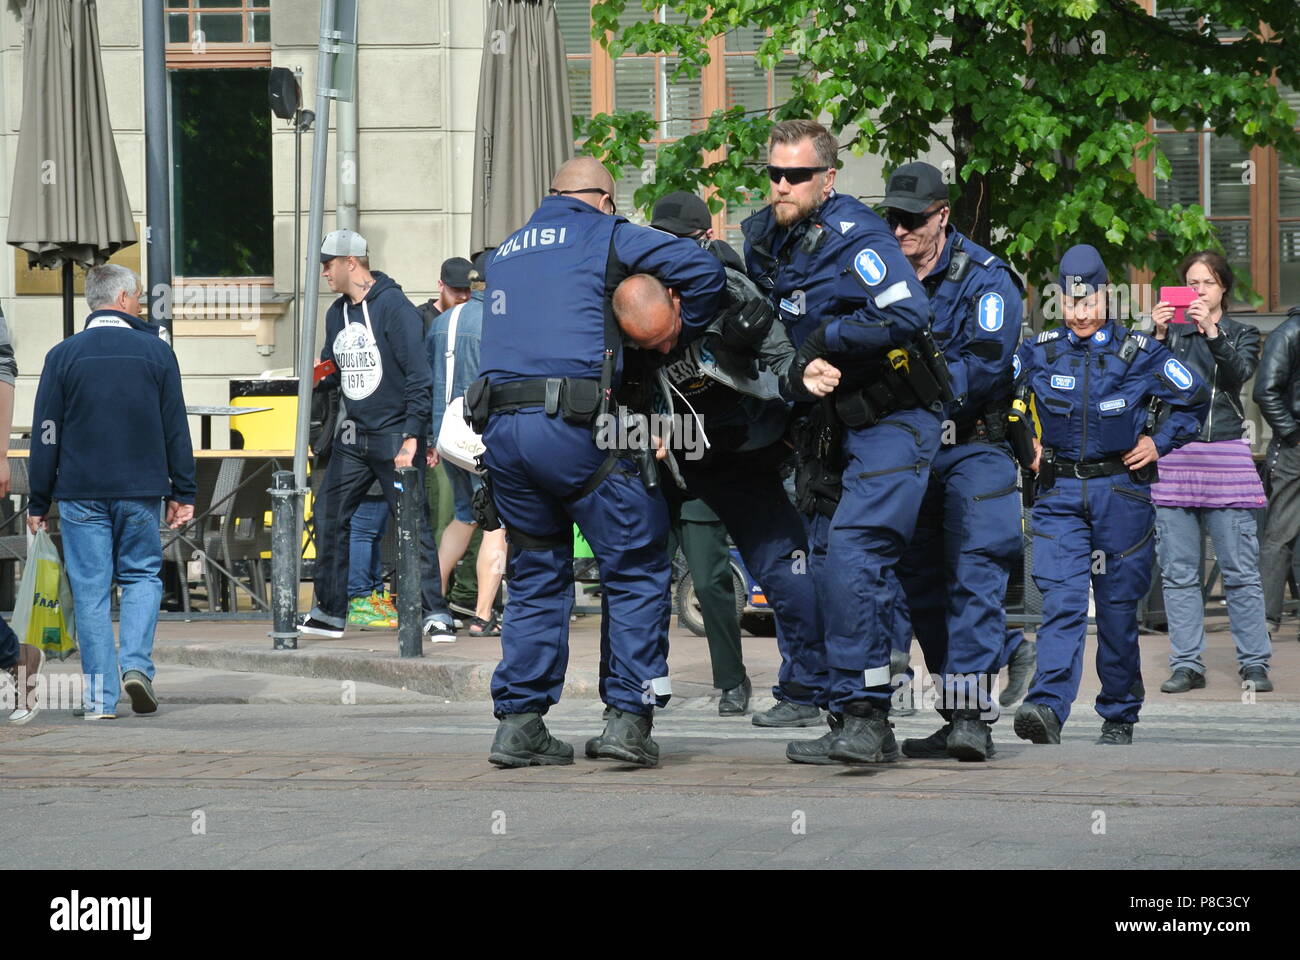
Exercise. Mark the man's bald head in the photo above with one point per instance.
(584, 173)
(648, 313)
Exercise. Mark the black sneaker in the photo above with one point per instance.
(734, 702)
(970, 738)
(1258, 675)
(522, 740)
(306, 623)
(787, 714)
(439, 631)
(140, 690)
(816, 751)
(1182, 680)
(1020, 670)
(627, 739)
(1114, 733)
(1037, 723)
(865, 739)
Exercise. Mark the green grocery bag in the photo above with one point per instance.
(43, 612)
(581, 548)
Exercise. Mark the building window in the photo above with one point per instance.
(201, 22)
(1250, 196)
(221, 173)
(598, 84)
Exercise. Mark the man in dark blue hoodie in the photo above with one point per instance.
(110, 441)
(374, 335)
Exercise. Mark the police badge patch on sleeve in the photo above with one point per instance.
(869, 267)
(1177, 374)
(991, 312)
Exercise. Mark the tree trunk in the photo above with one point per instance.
(971, 212)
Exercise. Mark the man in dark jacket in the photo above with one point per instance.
(373, 333)
(1277, 391)
(110, 442)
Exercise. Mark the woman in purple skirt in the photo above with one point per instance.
(1211, 485)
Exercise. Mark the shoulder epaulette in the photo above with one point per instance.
(1047, 336)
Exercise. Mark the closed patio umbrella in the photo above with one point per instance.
(524, 130)
(69, 203)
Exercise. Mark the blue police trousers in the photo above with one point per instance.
(538, 466)
(954, 571)
(886, 473)
(1101, 530)
(746, 492)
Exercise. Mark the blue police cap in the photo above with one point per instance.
(1082, 271)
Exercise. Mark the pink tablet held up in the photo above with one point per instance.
(1180, 298)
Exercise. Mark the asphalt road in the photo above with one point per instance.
(298, 779)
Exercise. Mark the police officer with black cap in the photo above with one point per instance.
(1093, 384)
(954, 572)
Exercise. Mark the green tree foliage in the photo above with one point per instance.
(1041, 104)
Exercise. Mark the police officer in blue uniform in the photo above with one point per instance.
(1093, 385)
(954, 572)
(551, 364)
(847, 295)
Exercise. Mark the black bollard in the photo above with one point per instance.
(284, 560)
(410, 503)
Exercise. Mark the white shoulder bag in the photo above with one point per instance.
(456, 441)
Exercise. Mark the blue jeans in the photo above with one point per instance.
(1178, 545)
(365, 558)
(463, 486)
(103, 541)
(8, 646)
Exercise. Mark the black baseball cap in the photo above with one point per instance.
(455, 273)
(682, 214)
(914, 186)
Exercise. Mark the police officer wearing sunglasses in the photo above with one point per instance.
(848, 297)
(955, 571)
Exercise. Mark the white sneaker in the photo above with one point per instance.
(438, 631)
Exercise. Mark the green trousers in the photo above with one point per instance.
(462, 589)
(703, 540)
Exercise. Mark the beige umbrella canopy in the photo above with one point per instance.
(524, 129)
(69, 203)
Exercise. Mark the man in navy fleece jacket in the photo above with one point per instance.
(110, 441)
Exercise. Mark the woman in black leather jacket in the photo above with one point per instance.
(1211, 485)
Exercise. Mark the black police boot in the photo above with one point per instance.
(1182, 680)
(627, 739)
(1258, 675)
(593, 745)
(1020, 670)
(735, 701)
(522, 740)
(1114, 733)
(788, 714)
(867, 737)
(1037, 723)
(933, 747)
(970, 738)
(816, 751)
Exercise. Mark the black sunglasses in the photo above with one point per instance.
(793, 175)
(909, 221)
(613, 207)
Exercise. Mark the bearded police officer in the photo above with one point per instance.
(954, 572)
(551, 363)
(1093, 385)
(844, 290)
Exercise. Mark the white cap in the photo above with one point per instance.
(342, 243)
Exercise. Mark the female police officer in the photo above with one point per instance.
(1093, 384)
